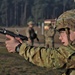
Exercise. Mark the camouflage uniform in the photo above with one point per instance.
(67, 19)
(54, 59)
(62, 59)
(29, 29)
(48, 35)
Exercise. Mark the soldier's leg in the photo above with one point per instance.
(32, 42)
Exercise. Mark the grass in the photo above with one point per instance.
(13, 64)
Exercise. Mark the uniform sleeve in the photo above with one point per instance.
(43, 57)
(51, 32)
(71, 62)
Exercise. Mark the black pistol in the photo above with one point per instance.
(4, 31)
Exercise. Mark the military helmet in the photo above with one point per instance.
(30, 23)
(66, 20)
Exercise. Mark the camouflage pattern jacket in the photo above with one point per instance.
(48, 34)
(49, 58)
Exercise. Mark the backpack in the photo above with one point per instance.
(32, 34)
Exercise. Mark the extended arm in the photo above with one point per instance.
(41, 56)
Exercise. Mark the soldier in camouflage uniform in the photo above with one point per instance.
(62, 58)
(28, 30)
(48, 36)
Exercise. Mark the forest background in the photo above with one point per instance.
(19, 12)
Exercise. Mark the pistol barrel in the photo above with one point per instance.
(4, 31)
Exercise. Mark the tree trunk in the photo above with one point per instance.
(23, 19)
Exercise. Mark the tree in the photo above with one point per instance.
(23, 19)
(19, 12)
(38, 10)
(4, 10)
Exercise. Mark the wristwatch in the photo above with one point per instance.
(18, 48)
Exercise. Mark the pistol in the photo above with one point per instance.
(4, 31)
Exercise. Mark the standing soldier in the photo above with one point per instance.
(62, 58)
(49, 33)
(30, 32)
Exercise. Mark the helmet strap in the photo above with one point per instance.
(68, 34)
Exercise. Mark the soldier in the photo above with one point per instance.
(49, 36)
(30, 32)
(62, 58)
